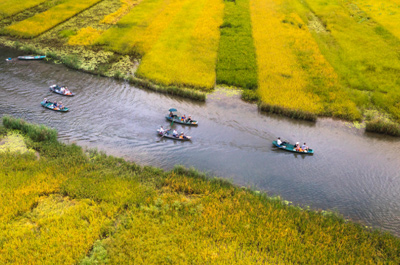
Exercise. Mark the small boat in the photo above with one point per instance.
(173, 117)
(65, 92)
(50, 105)
(290, 148)
(167, 134)
(32, 57)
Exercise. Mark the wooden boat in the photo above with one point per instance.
(168, 134)
(290, 148)
(57, 89)
(49, 105)
(32, 57)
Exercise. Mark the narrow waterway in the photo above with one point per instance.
(355, 173)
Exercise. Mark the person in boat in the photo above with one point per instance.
(189, 119)
(183, 118)
(60, 105)
(304, 147)
(182, 136)
(279, 142)
(297, 146)
(171, 114)
(67, 92)
(62, 90)
(175, 133)
(161, 130)
(45, 101)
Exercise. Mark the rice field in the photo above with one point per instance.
(89, 208)
(12, 7)
(237, 65)
(42, 22)
(186, 52)
(326, 58)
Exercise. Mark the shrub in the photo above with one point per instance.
(383, 127)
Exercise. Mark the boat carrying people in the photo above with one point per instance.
(173, 134)
(296, 148)
(62, 90)
(181, 119)
(56, 106)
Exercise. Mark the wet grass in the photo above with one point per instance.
(74, 206)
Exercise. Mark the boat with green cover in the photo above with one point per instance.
(50, 105)
(31, 57)
(291, 148)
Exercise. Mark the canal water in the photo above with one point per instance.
(352, 172)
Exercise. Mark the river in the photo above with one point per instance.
(352, 172)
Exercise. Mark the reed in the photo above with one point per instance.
(291, 113)
(383, 127)
(35, 132)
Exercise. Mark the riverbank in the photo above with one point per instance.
(89, 207)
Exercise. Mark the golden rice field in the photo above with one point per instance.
(88, 208)
(42, 22)
(186, 52)
(329, 58)
(11, 7)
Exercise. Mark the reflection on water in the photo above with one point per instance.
(355, 173)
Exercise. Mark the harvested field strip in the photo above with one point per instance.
(42, 22)
(281, 79)
(186, 53)
(363, 55)
(12, 7)
(119, 38)
(237, 64)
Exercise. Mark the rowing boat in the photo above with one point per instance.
(175, 119)
(291, 148)
(32, 57)
(167, 134)
(50, 105)
(57, 89)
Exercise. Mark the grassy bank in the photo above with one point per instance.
(83, 207)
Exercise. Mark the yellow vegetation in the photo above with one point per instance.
(11, 7)
(186, 52)
(42, 22)
(113, 18)
(85, 36)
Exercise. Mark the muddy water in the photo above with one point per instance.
(355, 173)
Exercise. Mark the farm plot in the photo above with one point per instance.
(136, 32)
(363, 54)
(281, 79)
(12, 7)
(42, 22)
(236, 63)
(186, 52)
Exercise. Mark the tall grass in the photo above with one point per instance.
(42, 22)
(11, 7)
(35, 132)
(383, 127)
(186, 52)
(236, 64)
(126, 6)
(73, 207)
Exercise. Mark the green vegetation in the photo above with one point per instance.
(383, 127)
(72, 207)
(237, 65)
